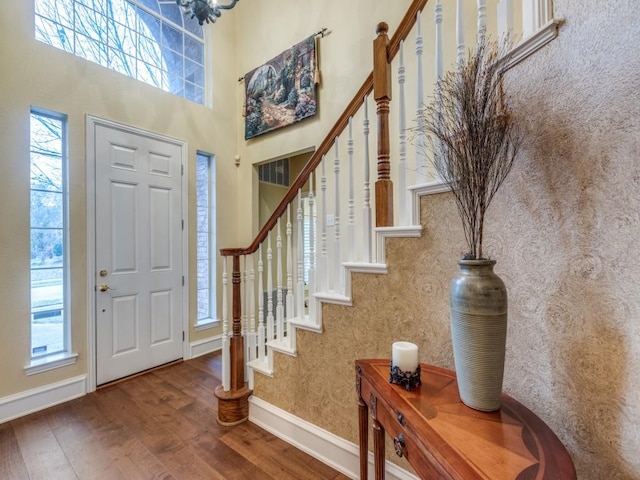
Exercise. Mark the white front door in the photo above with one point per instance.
(139, 271)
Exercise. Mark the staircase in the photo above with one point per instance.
(333, 223)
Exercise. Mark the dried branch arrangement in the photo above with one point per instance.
(470, 139)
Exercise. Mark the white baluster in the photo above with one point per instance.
(244, 319)
(546, 12)
(402, 160)
(252, 305)
(482, 20)
(351, 219)
(421, 158)
(324, 260)
(244, 299)
(439, 52)
(535, 14)
(262, 329)
(439, 58)
(300, 258)
(289, 298)
(505, 18)
(312, 249)
(337, 251)
(460, 32)
(226, 361)
(279, 295)
(366, 209)
(270, 316)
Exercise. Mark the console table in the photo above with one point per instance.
(443, 438)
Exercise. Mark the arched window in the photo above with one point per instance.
(150, 40)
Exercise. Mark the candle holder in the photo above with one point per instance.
(410, 380)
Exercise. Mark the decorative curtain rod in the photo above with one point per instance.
(320, 33)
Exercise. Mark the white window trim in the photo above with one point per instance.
(211, 321)
(51, 362)
(206, 323)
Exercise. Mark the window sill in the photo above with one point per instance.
(206, 324)
(50, 363)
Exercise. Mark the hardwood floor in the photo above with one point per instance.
(160, 425)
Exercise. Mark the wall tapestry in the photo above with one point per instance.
(282, 91)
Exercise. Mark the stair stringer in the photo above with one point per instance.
(288, 346)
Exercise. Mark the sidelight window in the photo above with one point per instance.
(49, 262)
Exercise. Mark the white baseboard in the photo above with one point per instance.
(36, 399)
(204, 346)
(330, 449)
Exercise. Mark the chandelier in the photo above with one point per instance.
(204, 10)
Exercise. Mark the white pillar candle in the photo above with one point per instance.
(404, 355)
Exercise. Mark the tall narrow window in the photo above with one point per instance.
(206, 235)
(50, 332)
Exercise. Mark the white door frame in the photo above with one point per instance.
(91, 123)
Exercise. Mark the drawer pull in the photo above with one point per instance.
(398, 445)
(401, 419)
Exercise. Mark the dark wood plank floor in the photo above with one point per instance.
(160, 425)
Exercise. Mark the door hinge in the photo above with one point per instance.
(182, 224)
(183, 280)
(181, 169)
(183, 335)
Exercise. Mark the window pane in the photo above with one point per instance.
(122, 38)
(192, 26)
(46, 173)
(171, 38)
(46, 248)
(59, 12)
(90, 23)
(45, 134)
(176, 85)
(149, 25)
(153, 4)
(173, 61)
(172, 12)
(194, 73)
(54, 34)
(120, 62)
(194, 50)
(99, 6)
(151, 50)
(90, 49)
(46, 209)
(193, 93)
(149, 74)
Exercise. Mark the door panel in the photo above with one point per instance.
(139, 244)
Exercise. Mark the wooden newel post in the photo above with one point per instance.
(236, 343)
(382, 96)
(233, 406)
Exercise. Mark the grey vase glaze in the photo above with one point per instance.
(479, 331)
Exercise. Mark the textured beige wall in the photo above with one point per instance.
(564, 229)
(32, 73)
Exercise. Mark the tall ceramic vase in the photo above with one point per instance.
(479, 332)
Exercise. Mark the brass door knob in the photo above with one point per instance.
(103, 287)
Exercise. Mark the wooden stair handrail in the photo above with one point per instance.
(405, 26)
